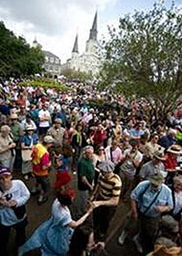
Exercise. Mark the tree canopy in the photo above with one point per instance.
(143, 57)
(17, 58)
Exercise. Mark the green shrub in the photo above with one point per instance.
(46, 83)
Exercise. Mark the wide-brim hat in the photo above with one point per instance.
(29, 128)
(106, 166)
(175, 149)
(172, 131)
(156, 179)
(159, 154)
(13, 116)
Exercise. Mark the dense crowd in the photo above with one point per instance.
(116, 153)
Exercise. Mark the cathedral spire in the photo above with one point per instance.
(93, 30)
(75, 47)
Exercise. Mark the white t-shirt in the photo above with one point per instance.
(18, 192)
(42, 114)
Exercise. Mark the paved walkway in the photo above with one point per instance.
(38, 214)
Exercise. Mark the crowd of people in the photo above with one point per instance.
(117, 154)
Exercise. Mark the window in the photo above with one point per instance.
(57, 61)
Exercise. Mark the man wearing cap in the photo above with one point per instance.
(57, 132)
(149, 200)
(154, 166)
(41, 163)
(13, 197)
(105, 198)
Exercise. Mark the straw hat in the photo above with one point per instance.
(13, 116)
(175, 149)
(172, 131)
(29, 127)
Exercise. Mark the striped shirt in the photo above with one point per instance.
(109, 187)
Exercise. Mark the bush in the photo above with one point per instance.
(46, 83)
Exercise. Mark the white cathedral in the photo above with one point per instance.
(88, 61)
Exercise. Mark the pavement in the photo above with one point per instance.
(37, 214)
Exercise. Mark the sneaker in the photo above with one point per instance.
(42, 199)
(137, 243)
(122, 237)
(26, 177)
(34, 191)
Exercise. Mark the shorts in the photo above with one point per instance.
(44, 182)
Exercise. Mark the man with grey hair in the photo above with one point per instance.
(7, 147)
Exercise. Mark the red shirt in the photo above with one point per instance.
(170, 162)
(99, 137)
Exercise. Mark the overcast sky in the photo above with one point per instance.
(55, 23)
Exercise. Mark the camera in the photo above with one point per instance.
(8, 197)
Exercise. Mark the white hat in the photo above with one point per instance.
(29, 127)
(48, 139)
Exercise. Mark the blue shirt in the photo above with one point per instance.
(29, 139)
(65, 164)
(135, 133)
(164, 198)
(166, 142)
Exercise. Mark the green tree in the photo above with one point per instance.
(143, 57)
(17, 58)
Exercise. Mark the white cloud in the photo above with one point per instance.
(54, 23)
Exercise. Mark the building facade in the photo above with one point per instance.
(88, 61)
(52, 64)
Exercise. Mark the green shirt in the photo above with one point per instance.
(15, 130)
(85, 168)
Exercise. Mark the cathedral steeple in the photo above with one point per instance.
(93, 30)
(75, 47)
